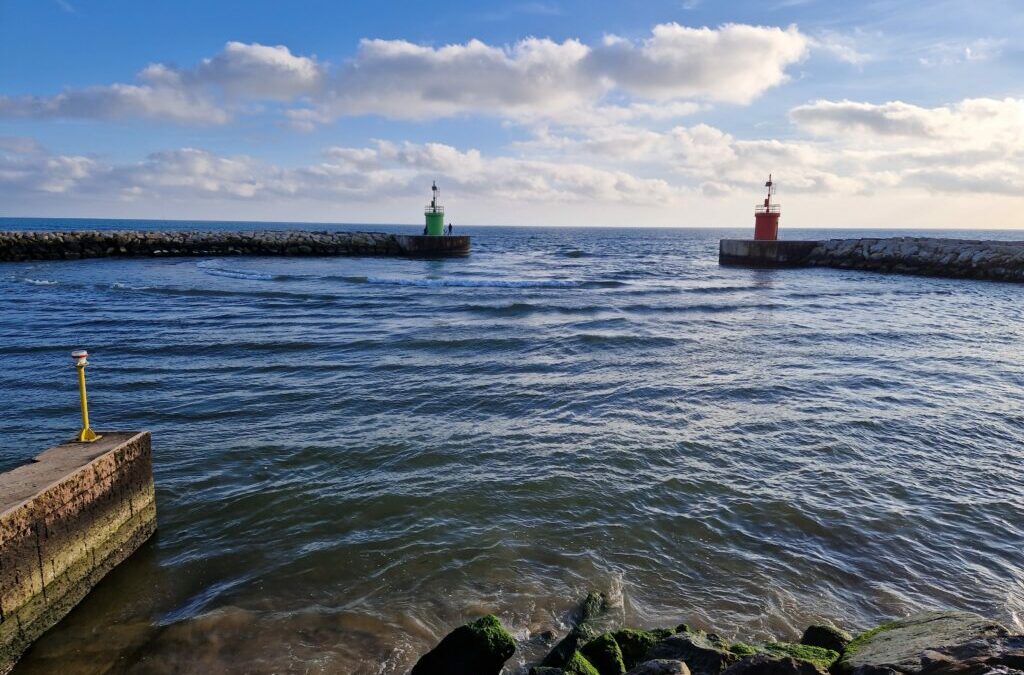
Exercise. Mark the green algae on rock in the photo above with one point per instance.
(604, 654)
(636, 643)
(477, 648)
(826, 637)
(579, 665)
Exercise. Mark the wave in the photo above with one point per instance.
(474, 283)
(213, 269)
(40, 282)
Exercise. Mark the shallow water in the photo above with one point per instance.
(355, 455)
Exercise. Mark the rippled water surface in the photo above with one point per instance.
(355, 455)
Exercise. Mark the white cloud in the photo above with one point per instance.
(533, 79)
(351, 173)
(733, 63)
(199, 95)
(952, 53)
(980, 121)
(842, 47)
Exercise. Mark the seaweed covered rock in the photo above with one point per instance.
(477, 648)
(773, 664)
(815, 656)
(826, 637)
(636, 643)
(604, 654)
(592, 607)
(578, 665)
(660, 667)
(902, 646)
(704, 654)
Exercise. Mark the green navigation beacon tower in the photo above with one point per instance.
(434, 214)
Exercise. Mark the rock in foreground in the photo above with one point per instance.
(477, 648)
(928, 643)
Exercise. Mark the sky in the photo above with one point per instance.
(875, 113)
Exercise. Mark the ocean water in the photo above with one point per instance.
(355, 455)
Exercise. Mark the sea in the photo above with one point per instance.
(355, 455)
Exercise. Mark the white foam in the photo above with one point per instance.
(39, 282)
(212, 269)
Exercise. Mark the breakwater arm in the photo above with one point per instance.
(25, 246)
(66, 519)
(929, 256)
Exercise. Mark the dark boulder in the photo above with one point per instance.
(477, 648)
(772, 664)
(604, 654)
(660, 667)
(567, 646)
(704, 654)
(592, 607)
(578, 665)
(826, 637)
(636, 643)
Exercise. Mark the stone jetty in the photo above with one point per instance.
(931, 643)
(929, 256)
(26, 246)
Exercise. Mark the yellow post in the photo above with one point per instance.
(87, 435)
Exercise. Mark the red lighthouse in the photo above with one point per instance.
(766, 216)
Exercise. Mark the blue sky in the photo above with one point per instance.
(882, 113)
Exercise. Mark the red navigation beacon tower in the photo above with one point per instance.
(766, 216)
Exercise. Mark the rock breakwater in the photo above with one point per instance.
(77, 245)
(929, 256)
(932, 643)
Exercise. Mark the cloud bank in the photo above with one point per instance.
(396, 79)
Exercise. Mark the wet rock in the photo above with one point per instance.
(578, 665)
(604, 654)
(704, 654)
(977, 657)
(477, 648)
(816, 656)
(590, 609)
(660, 667)
(772, 664)
(567, 646)
(898, 647)
(826, 637)
(544, 670)
(636, 643)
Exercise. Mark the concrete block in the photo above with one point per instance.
(66, 519)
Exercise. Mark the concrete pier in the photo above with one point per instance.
(66, 519)
(26, 246)
(928, 256)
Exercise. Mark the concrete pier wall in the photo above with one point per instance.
(25, 246)
(930, 256)
(66, 519)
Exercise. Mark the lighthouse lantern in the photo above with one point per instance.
(766, 216)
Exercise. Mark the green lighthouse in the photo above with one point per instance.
(434, 214)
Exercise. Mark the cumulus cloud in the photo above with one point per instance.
(733, 63)
(370, 173)
(533, 78)
(200, 95)
(971, 121)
